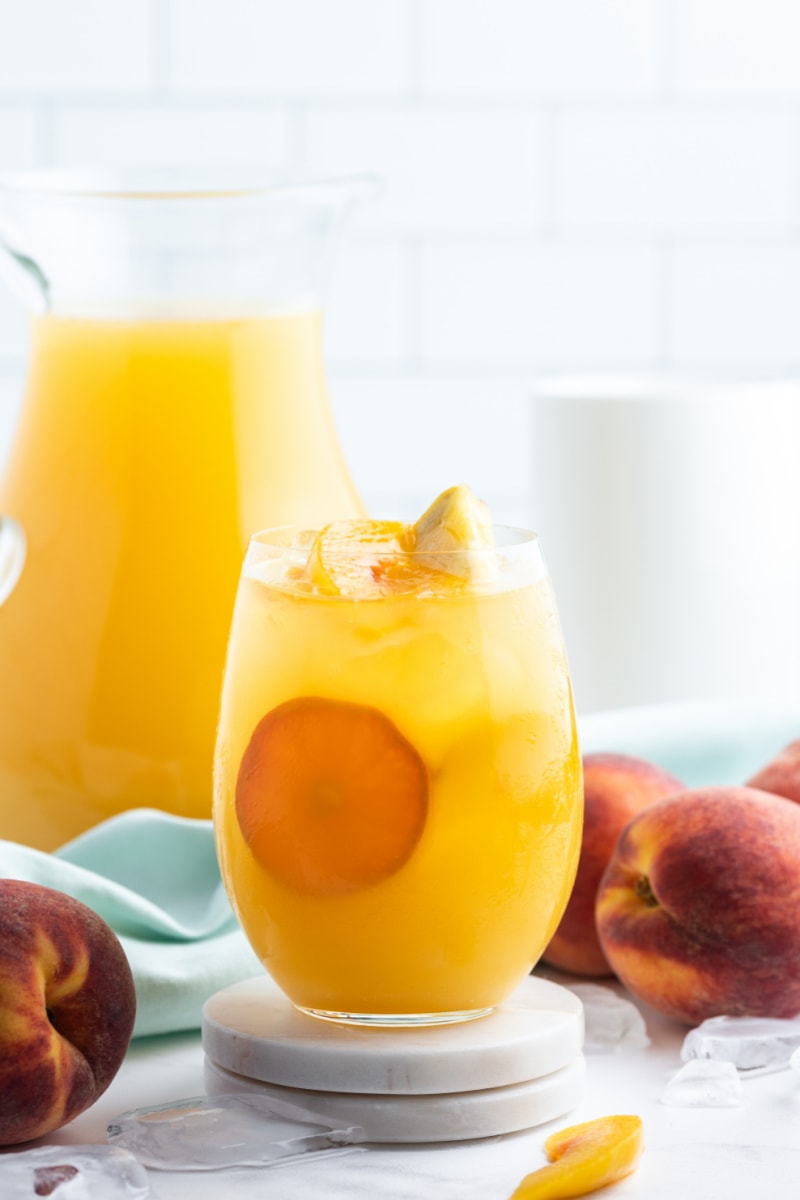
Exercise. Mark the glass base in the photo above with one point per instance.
(395, 1020)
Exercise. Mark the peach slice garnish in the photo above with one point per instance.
(330, 796)
(451, 544)
(366, 560)
(584, 1158)
(455, 535)
(349, 558)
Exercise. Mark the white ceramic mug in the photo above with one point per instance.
(669, 513)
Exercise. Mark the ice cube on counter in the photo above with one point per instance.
(239, 1130)
(612, 1022)
(752, 1044)
(73, 1173)
(704, 1083)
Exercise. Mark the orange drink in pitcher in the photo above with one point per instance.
(165, 426)
(176, 402)
(398, 800)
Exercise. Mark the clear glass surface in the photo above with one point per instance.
(398, 801)
(176, 402)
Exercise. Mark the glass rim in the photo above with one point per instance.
(160, 184)
(507, 537)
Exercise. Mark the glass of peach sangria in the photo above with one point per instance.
(398, 799)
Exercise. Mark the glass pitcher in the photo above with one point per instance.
(176, 403)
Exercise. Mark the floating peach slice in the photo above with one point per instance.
(455, 535)
(584, 1158)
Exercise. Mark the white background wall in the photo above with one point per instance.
(570, 185)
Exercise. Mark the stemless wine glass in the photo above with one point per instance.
(398, 799)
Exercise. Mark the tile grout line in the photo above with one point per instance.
(663, 304)
(414, 96)
(161, 52)
(46, 134)
(415, 51)
(547, 186)
(666, 35)
(414, 321)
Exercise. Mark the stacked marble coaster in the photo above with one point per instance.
(516, 1068)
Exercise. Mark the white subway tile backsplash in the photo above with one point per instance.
(540, 47)
(18, 139)
(13, 324)
(547, 305)
(50, 46)
(406, 439)
(170, 137)
(676, 170)
(738, 306)
(270, 46)
(569, 186)
(441, 169)
(367, 305)
(11, 388)
(736, 47)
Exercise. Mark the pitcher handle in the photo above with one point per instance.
(23, 273)
(13, 548)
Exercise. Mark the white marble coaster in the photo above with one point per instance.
(451, 1117)
(253, 1030)
(516, 1068)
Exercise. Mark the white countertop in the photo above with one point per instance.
(691, 1153)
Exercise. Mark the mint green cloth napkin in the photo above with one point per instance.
(154, 878)
(701, 742)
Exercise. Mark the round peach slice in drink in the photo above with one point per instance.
(330, 797)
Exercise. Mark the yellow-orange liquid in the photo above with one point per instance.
(478, 685)
(146, 455)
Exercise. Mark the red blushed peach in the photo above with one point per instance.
(698, 911)
(67, 1007)
(782, 774)
(615, 788)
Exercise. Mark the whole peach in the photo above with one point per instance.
(615, 788)
(698, 911)
(67, 1007)
(782, 774)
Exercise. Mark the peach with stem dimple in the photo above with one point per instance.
(697, 910)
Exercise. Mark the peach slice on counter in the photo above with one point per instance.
(584, 1158)
(330, 796)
